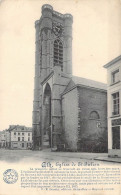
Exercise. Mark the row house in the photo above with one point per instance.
(18, 137)
(3, 139)
(114, 106)
(21, 137)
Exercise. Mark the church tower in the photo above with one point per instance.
(53, 70)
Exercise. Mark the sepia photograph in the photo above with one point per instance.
(60, 102)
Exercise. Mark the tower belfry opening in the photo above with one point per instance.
(58, 53)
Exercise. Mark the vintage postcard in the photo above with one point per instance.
(60, 97)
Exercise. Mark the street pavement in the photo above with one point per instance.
(47, 154)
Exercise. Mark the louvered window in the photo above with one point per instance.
(58, 53)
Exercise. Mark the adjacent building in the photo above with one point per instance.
(16, 137)
(3, 139)
(69, 112)
(8, 138)
(114, 106)
(21, 137)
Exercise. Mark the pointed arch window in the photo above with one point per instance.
(58, 53)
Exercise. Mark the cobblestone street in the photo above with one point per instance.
(46, 155)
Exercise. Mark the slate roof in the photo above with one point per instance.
(19, 128)
(83, 82)
(112, 62)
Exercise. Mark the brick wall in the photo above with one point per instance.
(92, 132)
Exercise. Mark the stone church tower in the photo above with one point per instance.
(69, 112)
(53, 71)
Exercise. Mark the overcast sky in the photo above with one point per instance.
(96, 41)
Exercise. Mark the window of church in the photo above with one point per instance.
(94, 115)
(58, 53)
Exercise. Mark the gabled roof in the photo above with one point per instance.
(82, 82)
(112, 62)
(22, 130)
(19, 128)
(47, 78)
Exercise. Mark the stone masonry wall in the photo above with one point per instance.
(70, 119)
(92, 132)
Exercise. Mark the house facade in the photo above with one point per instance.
(16, 137)
(114, 106)
(3, 139)
(21, 137)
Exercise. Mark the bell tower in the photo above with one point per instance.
(53, 70)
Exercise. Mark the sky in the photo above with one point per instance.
(96, 41)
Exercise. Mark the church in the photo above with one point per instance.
(69, 112)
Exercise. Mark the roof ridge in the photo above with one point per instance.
(89, 79)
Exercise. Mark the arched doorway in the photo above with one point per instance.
(47, 117)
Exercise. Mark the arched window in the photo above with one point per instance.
(47, 105)
(47, 94)
(94, 115)
(58, 53)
